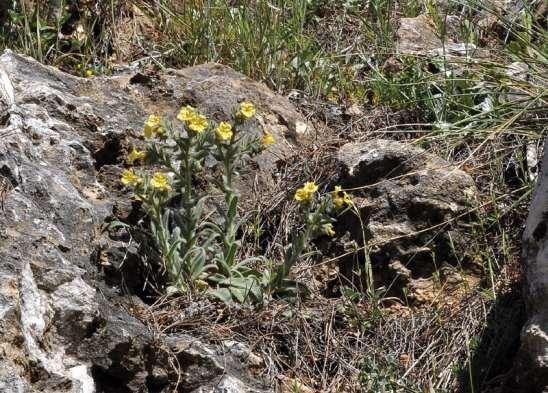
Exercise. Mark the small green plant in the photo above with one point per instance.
(381, 374)
(198, 253)
(317, 213)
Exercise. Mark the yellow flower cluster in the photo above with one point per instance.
(136, 155)
(186, 113)
(340, 198)
(129, 178)
(153, 126)
(247, 110)
(194, 120)
(224, 132)
(160, 182)
(198, 123)
(268, 139)
(328, 229)
(306, 193)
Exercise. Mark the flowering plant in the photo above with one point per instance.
(318, 211)
(195, 254)
(198, 253)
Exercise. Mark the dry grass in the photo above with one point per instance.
(327, 343)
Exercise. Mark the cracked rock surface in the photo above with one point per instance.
(402, 192)
(532, 361)
(62, 327)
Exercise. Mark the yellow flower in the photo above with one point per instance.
(153, 125)
(306, 193)
(247, 109)
(136, 155)
(186, 113)
(301, 195)
(129, 178)
(198, 123)
(340, 198)
(160, 182)
(310, 187)
(268, 139)
(224, 131)
(89, 73)
(201, 285)
(328, 230)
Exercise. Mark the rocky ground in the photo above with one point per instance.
(458, 308)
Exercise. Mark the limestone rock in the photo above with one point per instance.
(532, 360)
(209, 369)
(414, 207)
(417, 36)
(63, 326)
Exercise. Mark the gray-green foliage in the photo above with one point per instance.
(202, 251)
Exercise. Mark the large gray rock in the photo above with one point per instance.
(417, 36)
(62, 327)
(532, 360)
(415, 208)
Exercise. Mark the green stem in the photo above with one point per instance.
(162, 238)
(228, 170)
(188, 202)
(369, 282)
(298, 245)
(230, 195)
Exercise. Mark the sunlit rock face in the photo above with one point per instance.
(63, 146)
(532, 361)
(415, 213)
